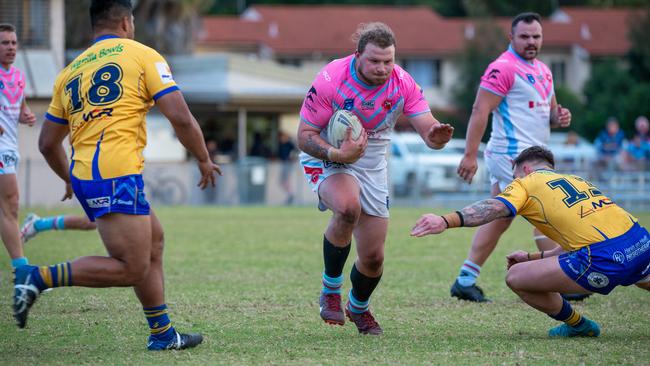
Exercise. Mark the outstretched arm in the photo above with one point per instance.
(433, 133)
(476, 214)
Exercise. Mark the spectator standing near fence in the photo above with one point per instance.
(286, 150)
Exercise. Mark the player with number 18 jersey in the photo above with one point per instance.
(103, 96)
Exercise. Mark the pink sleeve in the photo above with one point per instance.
(414, 101)
(317, 107)
(498, 78)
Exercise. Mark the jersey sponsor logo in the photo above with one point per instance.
(598, 280)
(531, 78)
(2, 84)
(494, 74)
(368, 104)
(618, 257)
(637, 249)
(333, 164)
(348, 104)
(98, 113)
(540, 77)
(122, 202)
(314, 173)
(164, 72)
(99, 202)
(387, 104)
(531, 104)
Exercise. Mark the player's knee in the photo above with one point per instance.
(157, 245)
(373, 262)
(11, 203)
(136, 271)
(349, 213)
(514, 278)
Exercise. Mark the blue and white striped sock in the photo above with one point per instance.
(469, 271)
(332, 285)
(50, 223)
(357, 306)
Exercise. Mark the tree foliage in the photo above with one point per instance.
(166, 25)
(478, 54)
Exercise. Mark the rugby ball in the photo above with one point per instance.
(339, 123)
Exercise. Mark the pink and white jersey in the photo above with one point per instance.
(522, 119)
(337, 86)
(12, 87)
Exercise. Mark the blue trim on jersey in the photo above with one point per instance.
(511, 50)
(601, 233)
(508, 126)
(353, 89)
(513, 210)
(395, 90)
(309, 123)
(51, 118)
(389, 112)
(71, 160)
(105, 36)
(165, 91)
(417, 113)
(383, 89)
(492, 91)
(353, 73)
(97, 175)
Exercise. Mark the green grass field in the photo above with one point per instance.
(249, 279)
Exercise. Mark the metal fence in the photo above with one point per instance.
(259, 182)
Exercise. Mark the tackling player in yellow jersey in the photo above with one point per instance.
(601, 245)
(100, 100)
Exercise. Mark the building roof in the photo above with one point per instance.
(326, 30)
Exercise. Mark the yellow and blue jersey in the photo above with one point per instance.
(566, 208)
(103, 96)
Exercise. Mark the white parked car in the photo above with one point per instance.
(413, 165)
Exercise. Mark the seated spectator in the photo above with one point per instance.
(642, 128)
(609, 143)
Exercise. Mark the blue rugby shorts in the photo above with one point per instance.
(624, 260)
(115, 195)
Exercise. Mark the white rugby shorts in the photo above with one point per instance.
(370, 172)
(499, 167)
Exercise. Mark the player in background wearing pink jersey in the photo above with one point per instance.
(517, 89)
(13, 110)
(352, 181)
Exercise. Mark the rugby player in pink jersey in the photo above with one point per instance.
(517, 89)
(13, 110)
(352, 180)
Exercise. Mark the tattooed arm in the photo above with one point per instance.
(351, 150)
(476, 214)
(485, 211)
